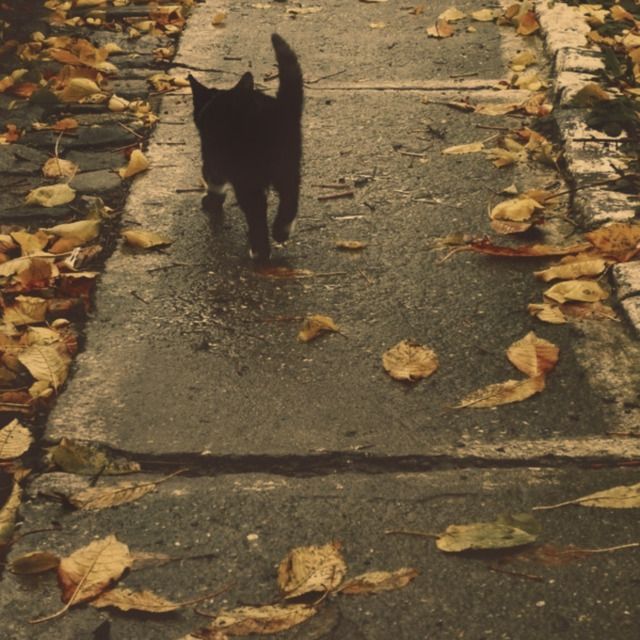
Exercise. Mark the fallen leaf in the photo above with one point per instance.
(49, 363)
(129, 600)
(409, 361)
(622, 497)
(472, 147)
(264, 620)
(137, 164)
(51, 196)
(142, 239)
(74, 457)
(481, 536)
(503, 393)
(58, 168)
(451, 15)
(504, 157)
(527, 24)
(315, 325)
(79, 88)
(26, 310)
(8, 515)
(105, 497)
(311, 569)
(516, 209)
(572, 270)
(278, 272)
(485, 15)
(619, 240)
(377, 581)
(576, 290)
(92, 569)
(219, 18)
(548, 313)
(14, 440)
(34, 562)
(525, 251)
(522, 60)
(590, 94)
(85, 230)
(507, 227)
(495, 108)
(441, 29)
(533, 356)
(351, 245)
(31, 243)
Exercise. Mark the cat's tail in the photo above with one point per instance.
(290, 89)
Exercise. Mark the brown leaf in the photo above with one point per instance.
(409, 361)
(525, 251)
(142, 239)
(377, 581)
(527, 24)
(278, 272)
(503, 393)
(90, 570)
(9, 513)
(533, 356)
(34, 562)
(129, 600)
(264, 620)
(311, 569)
(75, 457)
(315, 325)
(441, 29)
(14, 440)
(482, 536)
(507, 227)
(105, 497)
(619, 240)
(59, 168)
(26, 310)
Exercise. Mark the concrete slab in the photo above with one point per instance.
(248, 523)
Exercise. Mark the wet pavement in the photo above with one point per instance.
(191, 360)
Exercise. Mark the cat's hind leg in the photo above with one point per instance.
(214, 199)
(253, 202)
(284, 222)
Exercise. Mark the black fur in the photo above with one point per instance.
(254, 141)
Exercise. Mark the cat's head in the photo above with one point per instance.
(203, 97)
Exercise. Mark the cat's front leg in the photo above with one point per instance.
(285, 220)
(253, 202)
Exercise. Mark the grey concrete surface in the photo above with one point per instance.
(249, 522)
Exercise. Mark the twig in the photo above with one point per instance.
(624, 434)
(330, 185)
(464, 75)
(329, 75)
(518, 574)
(335, 196)
(453, 252)
(598, 183)
(620, 547)
(411, 532)
(131, 131)
(413, 154)
(208, 596)
(136, 295)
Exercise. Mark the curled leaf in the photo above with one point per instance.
(34, 562)
(503, 393)
(142, 239)
(129, 600)
(409, 361)
(265, 620)
(576, 290)
(377, 581)
(315, 325)
(482, 535)
(137, 163)
(51, 196)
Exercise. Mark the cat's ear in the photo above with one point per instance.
(199, 91)
(246, 82)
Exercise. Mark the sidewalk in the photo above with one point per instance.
(191, 361)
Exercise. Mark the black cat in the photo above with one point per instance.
(254, 141)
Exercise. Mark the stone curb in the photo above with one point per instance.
(575, 65)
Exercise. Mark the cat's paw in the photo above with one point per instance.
(281, 233)
(212, 202)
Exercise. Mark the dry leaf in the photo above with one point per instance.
(311, 569)
(31, 243)
(84, 230)
(619, 240)
(48, 363)
(90, 570)
(278, 272)
(472, 147)
(589, 95)
(58, 168)
(506, 227)
(409, 361)
(482, 535)
(137, 164)
(218, 18)
(533, 356)
(14, 440)
(9, 513)
(441, 29)
(451, 15)
(527, 24)
(622, 497)
(523, 60)
(495, 108)
(377, 581)
(485, 15)
(265, 620)
(350, 245)
(51, 196)
(517, 209)
(105, 497)
(34, 562)
(74, 457)
(547, 313)
(572, 270)
(315, 325)
(503, 393)
(79, 88)
(129, 600)
(525, 251)
(142, 239)
(26, 310)
(576, 290)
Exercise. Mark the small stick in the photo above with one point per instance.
(130, 130)
(335, 196)
(413, 154)
(136, 295)
(624, 434)
(355, 217)
(464, 75)
(329, 75)
(329, 186)
(528, 576)
(208, 596)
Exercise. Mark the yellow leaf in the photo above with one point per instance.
(84, 230)
(482, 535)
(622, 497)
(516, 209)
(472, 147)
(503, 393)
(533, 356)
(547, 313)
(377, 581)
(619, 240)
(48, 363)
(576, 290)
(409, 361)
(51, 196)
(572, 270)
(59, 168)
(129, 600)
(311, 569)
(441, 29)
(9, 513)
(31, 243)
(14, 440)
(451, 15)
(79, 88)
(485, 15)
(268, 619)
(315, 325)
(142, 239)
(218, 18)
(26, 310)
(495, 108)
(137, 164)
